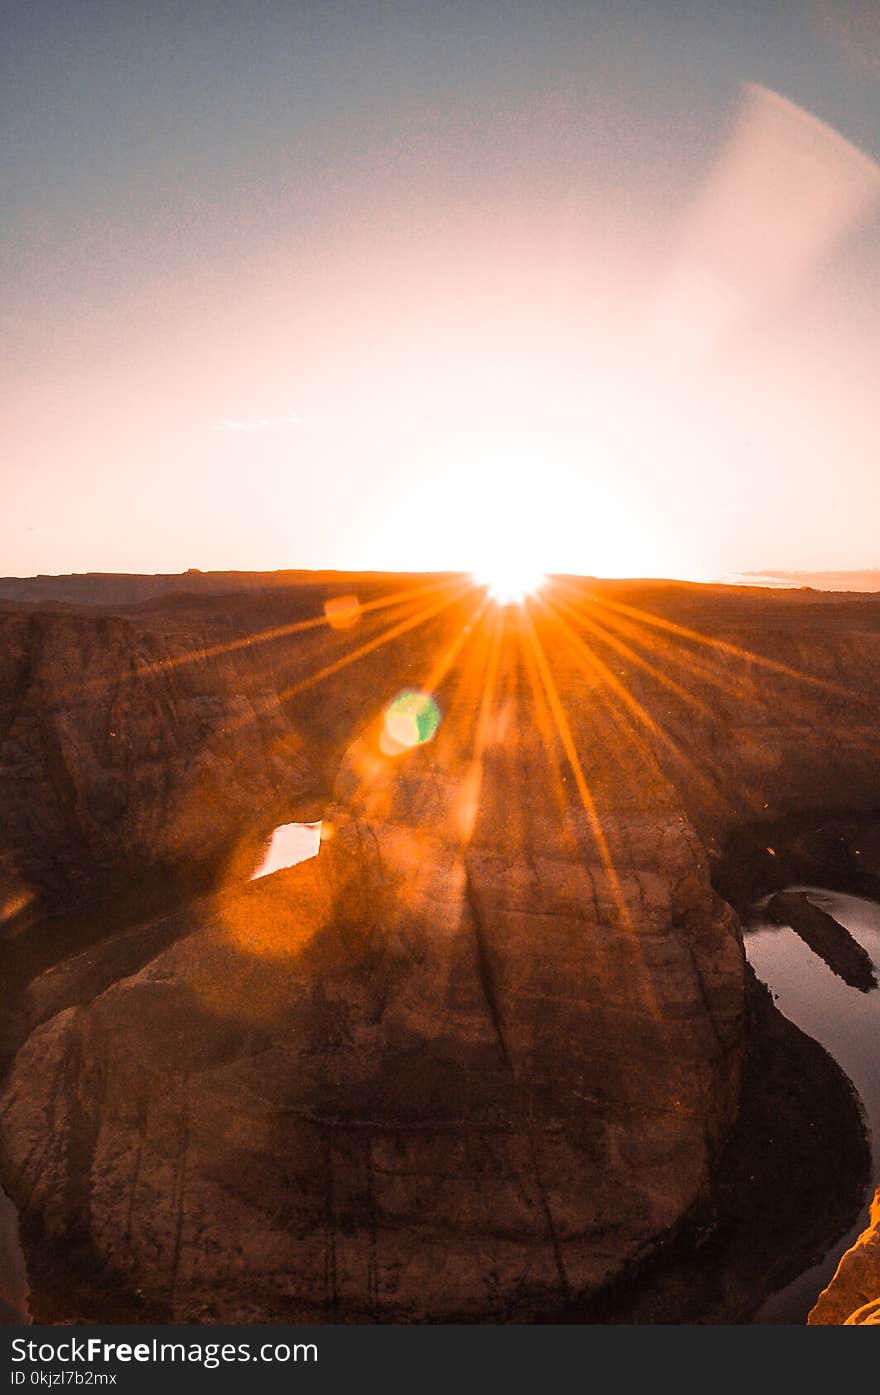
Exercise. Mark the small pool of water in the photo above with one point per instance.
(846, 1022)
(290, 843)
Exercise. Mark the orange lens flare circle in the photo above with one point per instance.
(342, 612)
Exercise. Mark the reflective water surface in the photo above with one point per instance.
(843, 1020)
(290, 843)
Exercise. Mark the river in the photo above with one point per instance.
(846, 1022)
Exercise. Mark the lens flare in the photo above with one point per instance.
(342, 611)
(410, 720)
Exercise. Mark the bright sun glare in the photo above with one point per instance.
(510, 582)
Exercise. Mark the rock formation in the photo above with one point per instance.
(402, 1081)
(853, 1296)
(474, 1059)
(116, 758)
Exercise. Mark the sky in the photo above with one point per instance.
(434, 285)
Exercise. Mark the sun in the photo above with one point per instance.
(509, 583)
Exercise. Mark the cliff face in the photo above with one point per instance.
(116, 758)
(140, 738)
(146, 739)
(853, 1296)
(479, 1054)
(403, 1081)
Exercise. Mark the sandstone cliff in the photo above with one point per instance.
(135, 737)
(398, 1082)
(853, 1296)
(480, 1054)
(116, 758)
(146, 739)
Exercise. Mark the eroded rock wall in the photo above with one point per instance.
(480, 1054)
(119, 754)
(403, 1081)
(853, 1296)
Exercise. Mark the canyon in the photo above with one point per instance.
(486, 1056)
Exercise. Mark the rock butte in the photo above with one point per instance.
(472, 1061)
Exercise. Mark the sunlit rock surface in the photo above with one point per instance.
(117, 758)
(853, 1296)
(148, 735)
(349, 1094)
(476, 1057)
(454, 1066)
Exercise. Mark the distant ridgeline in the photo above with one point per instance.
(119, 589)
(110, 588)
(867, 580)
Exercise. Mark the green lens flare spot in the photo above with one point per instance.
(412, 718)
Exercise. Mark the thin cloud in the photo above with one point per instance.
(257, 423)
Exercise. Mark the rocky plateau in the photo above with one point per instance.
(485, 1053)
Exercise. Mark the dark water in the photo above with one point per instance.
(846, 1022)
